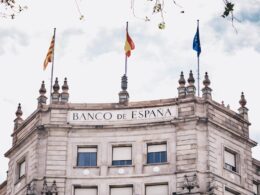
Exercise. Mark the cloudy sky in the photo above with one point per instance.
(90, 53)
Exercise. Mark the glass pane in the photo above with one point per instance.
(93, 159)
(163, 156)
(121, 162)
(21, 169)
(85, 191)
(157, 157)
(87, 159)
(230, 158)
(122, 153)
(156, 190)
(122, 191)
(151, 158)
(255, 188)
(156, 148)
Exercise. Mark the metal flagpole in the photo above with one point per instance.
(52, 67)
(198, 56)
(125, 54)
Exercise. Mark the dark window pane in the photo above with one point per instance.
(163, 156)
(121, 162)
(156, 157)
(87, 159)
(150, 157)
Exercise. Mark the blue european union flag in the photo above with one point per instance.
(196, 42)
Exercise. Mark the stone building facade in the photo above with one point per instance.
(183, 145)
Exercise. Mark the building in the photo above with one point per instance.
(183, 145)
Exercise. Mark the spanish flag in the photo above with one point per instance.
(129, 45)
(49, 55)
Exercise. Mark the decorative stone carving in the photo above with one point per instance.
(190, 182)
(49, 190)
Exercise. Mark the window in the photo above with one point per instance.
(87, 156)
(85, 191)
(230, 192)
(122, 156)
(256, 188)
(230, 159)
(156, 190)
(128, 190)
(157, 153)
(21, 169)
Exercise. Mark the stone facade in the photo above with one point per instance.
(200, 135)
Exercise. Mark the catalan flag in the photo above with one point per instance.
(50, 53)
(129, 45)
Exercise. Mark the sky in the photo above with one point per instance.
(90, 54)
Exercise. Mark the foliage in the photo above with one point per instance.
(228, 12)
(158, 8)
(10, 8)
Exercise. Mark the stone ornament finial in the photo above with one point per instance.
(65, 94)
(182, 88)
(243, 111)
(191, 79)
(124, 82)
(206, 90)
(206, 81)
(55, 96)
(242, 101)
(65, 86)
(123, 95)
(18, 120)
(56, 86)
(42, 90)
(182, 79)
(42, 98)
(191, 89)
(19, 111)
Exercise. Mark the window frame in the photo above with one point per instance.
(236, 158)
(86, 147)
(121, 186)
(18, 176)
(156, 184)
(84, 187)
(257, 187)
(153, 144)
(122, 146)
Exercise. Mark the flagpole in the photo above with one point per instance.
(125, 54)
(198, 64)
(52, 66)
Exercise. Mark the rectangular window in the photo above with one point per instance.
(156, 153)
(87, 156)
(156, 190)
(122, 156)
(21, 169)
(256, 188)
(85, 191)
(121, 190)
(230, 160)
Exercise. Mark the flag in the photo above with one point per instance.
(49, 54)
(129, 45)
(196, 42)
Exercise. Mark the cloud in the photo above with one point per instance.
(231, 41)
(249, 12)
(11, 38)
(65, 38)
(105, 42)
